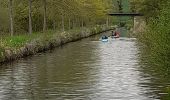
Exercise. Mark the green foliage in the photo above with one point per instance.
(156, 41)
(3, 20)
(88, 12)
(60, 14)
(157, 36)
(150, 8)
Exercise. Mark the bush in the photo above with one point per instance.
(157, 38)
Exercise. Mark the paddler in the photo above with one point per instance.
(104, 37)
(116, 34)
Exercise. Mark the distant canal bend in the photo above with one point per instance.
(85, 70)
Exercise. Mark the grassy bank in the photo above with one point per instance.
(156, 39)
(15, 47)
(155, 47)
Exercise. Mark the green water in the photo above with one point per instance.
(123, 32)
(85, 70)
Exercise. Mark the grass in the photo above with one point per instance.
(20, 40)
(12, 45)
(16, 41)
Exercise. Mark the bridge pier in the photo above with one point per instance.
(139, 24)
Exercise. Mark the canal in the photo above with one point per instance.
(85, 70)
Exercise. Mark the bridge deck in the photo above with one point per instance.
(125, 14)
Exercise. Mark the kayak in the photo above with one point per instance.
(114, 37)
(104, 40)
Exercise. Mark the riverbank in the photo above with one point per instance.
(155, 44)
(12, 48)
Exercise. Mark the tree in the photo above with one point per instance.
(45, 19)
(62, 17)
(11, 17)
(30, 16)
(60, 14)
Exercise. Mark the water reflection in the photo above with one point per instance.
(158, 77)
(84, 70)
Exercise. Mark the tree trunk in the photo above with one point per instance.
(63, 22)
(45, 19)
(11, 18)
(73, 23)
(82, 26)
(107, 21)
(82, 23)
(54, 25)
(62, 17)
(30, 17)
(79, 22)
(69, 23)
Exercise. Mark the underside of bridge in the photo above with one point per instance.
(125, 14)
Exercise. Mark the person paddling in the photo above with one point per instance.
(115, 34)
(104, 37)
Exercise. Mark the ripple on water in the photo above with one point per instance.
(85, 70)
